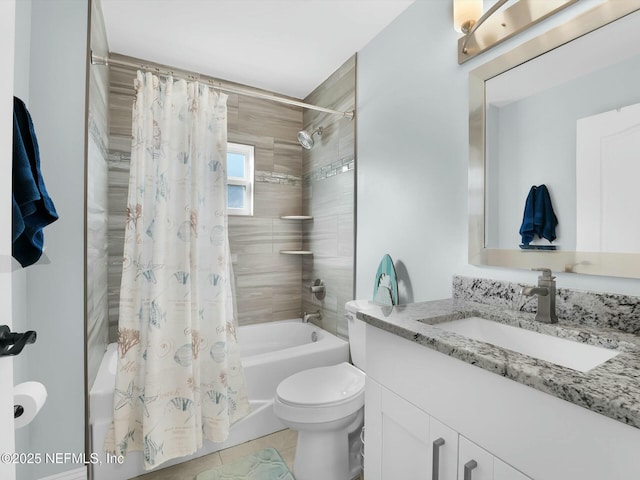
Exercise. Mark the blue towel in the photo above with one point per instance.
(539, 218)
(32, 207)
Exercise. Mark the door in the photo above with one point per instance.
(396, 439)
(444, 446)
(502, 471)
(405, 439)
(607, 172)
(7, 42)
(474, 463)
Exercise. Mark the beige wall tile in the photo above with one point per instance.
(275, 200)
(287, 235)
(287, 156)
(328, 195)
(250, 235)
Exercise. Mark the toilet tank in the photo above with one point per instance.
(357, 333)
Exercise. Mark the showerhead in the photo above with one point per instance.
(306, 139)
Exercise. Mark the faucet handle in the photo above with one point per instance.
(546, 272)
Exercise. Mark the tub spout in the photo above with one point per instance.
(311, 316)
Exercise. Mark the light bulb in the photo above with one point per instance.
(465, 14)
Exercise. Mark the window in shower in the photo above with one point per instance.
(239, 179)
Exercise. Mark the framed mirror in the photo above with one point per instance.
(562, 110)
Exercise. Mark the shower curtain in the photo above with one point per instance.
(179, 378)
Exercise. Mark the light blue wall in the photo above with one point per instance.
(55, 292)
(19, 275)
(412, 131)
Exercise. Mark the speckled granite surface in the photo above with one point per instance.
(611, 389)
(621, 312)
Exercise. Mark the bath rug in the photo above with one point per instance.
(263, 465)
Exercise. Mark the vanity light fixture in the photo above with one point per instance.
(497, 26)
(465, 14)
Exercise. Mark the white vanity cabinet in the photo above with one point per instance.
(404, 442)
(416, 395)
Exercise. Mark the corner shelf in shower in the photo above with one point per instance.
(296, 217)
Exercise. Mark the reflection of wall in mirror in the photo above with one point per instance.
(607, 178)
(532, 141)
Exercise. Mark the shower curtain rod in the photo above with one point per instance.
(214, 82)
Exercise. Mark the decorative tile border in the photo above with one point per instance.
(620, 312)
(345, 165)
(262, 176)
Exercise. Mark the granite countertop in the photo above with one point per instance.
(611, 389)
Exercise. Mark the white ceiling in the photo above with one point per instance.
(285, 46)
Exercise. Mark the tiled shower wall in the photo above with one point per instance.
(268, 283)
(96, 296)
(328, 196)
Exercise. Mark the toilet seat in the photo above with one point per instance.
(321, 395)
(322, 386)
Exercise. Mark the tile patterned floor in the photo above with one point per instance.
(283, 441)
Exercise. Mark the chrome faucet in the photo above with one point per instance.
(546, 292)
(311, 316)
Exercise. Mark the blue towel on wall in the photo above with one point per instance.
(33, 209)
(539, 218)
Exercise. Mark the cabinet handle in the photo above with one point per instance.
(468, 467)
(435, 473)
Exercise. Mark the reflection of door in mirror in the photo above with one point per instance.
(607, 176)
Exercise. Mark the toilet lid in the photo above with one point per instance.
(322, 386)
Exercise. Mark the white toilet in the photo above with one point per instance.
(325, 406)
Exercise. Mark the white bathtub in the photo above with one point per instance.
(270, 353)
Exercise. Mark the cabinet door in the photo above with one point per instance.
(502, 471)
(406, 450)
(444, 451)
(474, 463)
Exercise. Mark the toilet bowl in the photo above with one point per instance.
(325, 406)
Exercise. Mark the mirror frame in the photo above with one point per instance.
(594, 263)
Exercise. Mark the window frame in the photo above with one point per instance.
(248, 151)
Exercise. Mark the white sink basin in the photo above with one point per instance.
(566, 353)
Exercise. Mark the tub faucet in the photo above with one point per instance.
(311, 316)
(546, 292)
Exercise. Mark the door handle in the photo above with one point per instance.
(13, 343)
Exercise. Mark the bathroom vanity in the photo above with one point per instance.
(481, 411)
